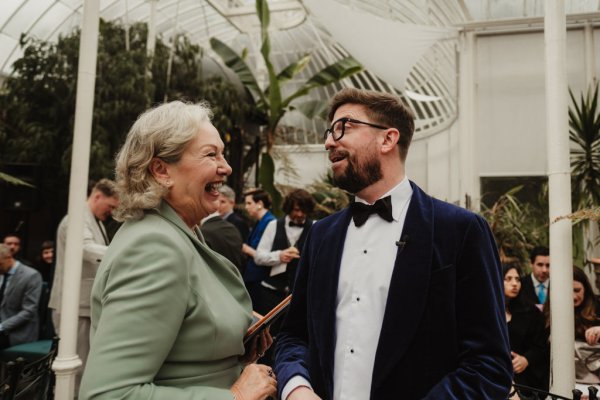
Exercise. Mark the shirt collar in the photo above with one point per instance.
(400, 194)
(13, 269)
(536, 283)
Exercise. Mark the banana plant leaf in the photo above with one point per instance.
(332, 73)
(312, 108)
(13, 180)
(239, 66)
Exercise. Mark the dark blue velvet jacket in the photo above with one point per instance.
(444, 331)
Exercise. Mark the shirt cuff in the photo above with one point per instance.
(292, 384)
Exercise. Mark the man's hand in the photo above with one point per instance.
(287, 255)
(302, 393)
(519, 362)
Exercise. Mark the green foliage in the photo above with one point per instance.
(329, 198)
(37, 102)
(517, 226)
(584, 132)
(269, 100)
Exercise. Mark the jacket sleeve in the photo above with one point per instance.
(144, 300)
(484, 369)
(30, 302)
(292, 353)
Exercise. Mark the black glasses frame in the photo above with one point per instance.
(344, 120)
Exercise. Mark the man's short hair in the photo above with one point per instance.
(538, 251)
(15, 235)
(300, 198)
(227, 192)
(260, 195)
(382, 108)
(106, 187)
(47, 244)
(4, 250)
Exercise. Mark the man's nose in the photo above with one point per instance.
(329, 142)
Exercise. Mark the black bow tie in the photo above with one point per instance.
(292, 223)
(361, 211)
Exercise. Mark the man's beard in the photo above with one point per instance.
(358, 175)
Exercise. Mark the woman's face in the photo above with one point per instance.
(196, 177)
(253, 208)
(512, 284)
(578, 293)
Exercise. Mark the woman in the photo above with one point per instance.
(587, 332)
(257, 203)
(168, 313)
(528, 340)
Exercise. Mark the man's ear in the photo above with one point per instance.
(390, 140)
(160, 172)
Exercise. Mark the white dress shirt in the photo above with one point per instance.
(365, 272)
(264, 256)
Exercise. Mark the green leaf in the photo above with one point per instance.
(239, 66)
(332, 73)
(293, 69)
(13, 180)
(312, 108)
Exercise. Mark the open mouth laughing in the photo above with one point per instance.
(213, 187)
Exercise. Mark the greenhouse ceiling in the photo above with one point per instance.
(416, 39)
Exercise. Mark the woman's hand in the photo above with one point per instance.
(259, 345)
(519, 362)
(257, 382)
(592, 335)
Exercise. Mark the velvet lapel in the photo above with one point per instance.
(408, 287)
(324, 286)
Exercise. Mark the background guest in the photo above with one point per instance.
(527, 335)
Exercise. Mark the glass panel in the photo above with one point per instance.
(50, 20)
(26, 17)
(8, 8)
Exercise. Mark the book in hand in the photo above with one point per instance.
(261, 323)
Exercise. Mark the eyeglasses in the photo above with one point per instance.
(338, 128)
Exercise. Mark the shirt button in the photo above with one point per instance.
(358, 299)
(364, 251)
(352, 351)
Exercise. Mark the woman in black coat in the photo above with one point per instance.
(527, 334)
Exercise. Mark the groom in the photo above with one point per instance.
(398, 296)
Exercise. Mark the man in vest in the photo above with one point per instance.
(280, 247)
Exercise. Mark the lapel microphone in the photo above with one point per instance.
(402, 242)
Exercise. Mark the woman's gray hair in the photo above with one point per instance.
(163, 132)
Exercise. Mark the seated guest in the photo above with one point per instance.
(528, 339)
(13, 241)
(45, 261)
(168, 313)
(20, 291)
(224, 238)
(587, 332)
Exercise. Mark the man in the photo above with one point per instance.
(20, 291)
(535, 286)
(13, 241)
(406, 303)
(227, 212)
(223, 237)
(279, 248)
(101, 202)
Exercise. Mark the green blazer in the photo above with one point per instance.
(168, 316)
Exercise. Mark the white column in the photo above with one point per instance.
(151, 39)
(590, 59)
(67, 362)
(468, 145)
(559, 193)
